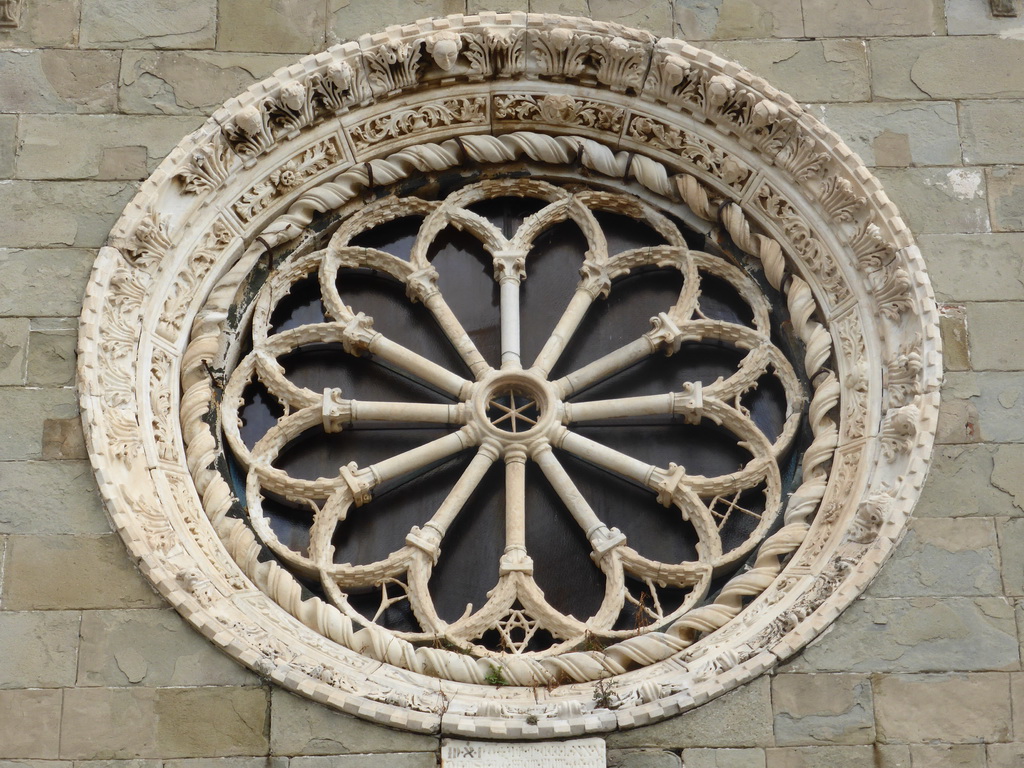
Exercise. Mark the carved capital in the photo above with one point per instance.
(358, 334)
(509, 266)
(360, 482)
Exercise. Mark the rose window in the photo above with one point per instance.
(415, 354)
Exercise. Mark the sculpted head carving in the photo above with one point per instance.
(445, 50)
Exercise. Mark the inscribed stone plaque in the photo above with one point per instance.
(581, 753)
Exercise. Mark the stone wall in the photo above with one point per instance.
(923, 672)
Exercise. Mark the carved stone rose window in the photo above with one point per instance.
(510, 375)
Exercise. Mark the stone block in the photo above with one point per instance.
(959, 421)
(991, 131)
(724, 758)
(712, 725)
(136, 763)
(907, 133)
(302, 727)
(948, 755)
(1011, 547)
(13, 343)
(956, 351)
(1005, 755)
(563, 7)
(149, 23)
(94, 572)
(978, 267)
(476, 6)
(189, 82)
(921, 634)
(822, 709)
(30, 723)
(63, 439)
(938, 199)
(949, 708)
(943, 556)
(43, 283)
(41, 497)
(45, 24)
(875, 756)
(654, 16)
(105, 147)
(348, 19)
(864, 18)
(995, 397)
(40, 648)
(1017, 701)
(947, 68)
(151, 648)
(8, 134)
(227, 762)
(119, 723)
(395, 760)
(643, 758)
(997, 336)
(51, 358)
(52, 80)
(25, 411)
(56, 213)
(823, 70)
(37, 764)
(738, 19)
(977, 19)
(1006, 198)
(284, 26)
(973, 480)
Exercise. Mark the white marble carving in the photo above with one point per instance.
(600, 117)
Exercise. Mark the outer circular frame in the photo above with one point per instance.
(737, 159)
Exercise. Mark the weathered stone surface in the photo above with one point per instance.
(976, 19)
(64, 439)
(8, 134)
(52, 80)
(981, 267)
(119, 723)
(921, 634)
(947, 708)
(40, 649)
(735, 19)
(822, 709)
(643, 758)
(51, 358)
(1017, 701)
(286, 26)
(959, 421)
(13, 341)
(724, 758)
(712, 725)
(302, 727)
(938, 199)
(189, 82)
(25, 411)
(564, 7)
(45, 213)
(995, 397)
(227, 762)
(30, 723)
(136, 763)
(654, 17)
(1006, 198)
(94, 572)
(875, 756)
(1011, 547)
(45, 24)
(348, 19)
(989, 131)
(956, 351)
(997, 336)
(97, 146)
(46, 283)
(971, 480)
(476, 6)
(864, 18)
(829, 70)
(947, 68)
(149, 23)
(39, 497)
(942, 557)
(395, 760)
(908, 133)
(948, 755)
(151, 648)
(1005, 755)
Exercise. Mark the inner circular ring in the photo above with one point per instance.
(513, 405)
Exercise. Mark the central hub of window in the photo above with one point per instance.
(516, 406)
